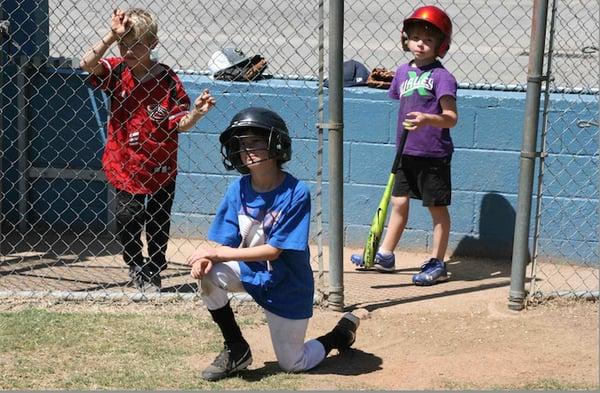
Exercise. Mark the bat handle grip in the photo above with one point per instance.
(398, 158)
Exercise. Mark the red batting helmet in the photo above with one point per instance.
(434, 16)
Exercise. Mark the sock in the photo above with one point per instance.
(225, 319)
(332, 340)
(385, 253)
(328, 342)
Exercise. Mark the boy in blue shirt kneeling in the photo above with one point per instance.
(261, 229)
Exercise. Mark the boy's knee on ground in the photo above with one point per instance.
(311, 354)
(292, 364)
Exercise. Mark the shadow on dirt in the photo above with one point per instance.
(478, 263)
(374, 305)
(350, 362)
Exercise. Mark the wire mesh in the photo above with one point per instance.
(60, 227)
(566, 259)
(58, 216)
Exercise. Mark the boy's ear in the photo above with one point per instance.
(404, 40)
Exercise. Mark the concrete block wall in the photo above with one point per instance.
(484, 170)
(485, 166)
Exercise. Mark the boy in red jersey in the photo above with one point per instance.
(148, 107)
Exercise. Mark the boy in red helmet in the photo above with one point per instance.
(427, 95)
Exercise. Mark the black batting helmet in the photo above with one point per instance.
(249, 122)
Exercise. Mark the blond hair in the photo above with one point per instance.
(143, 25)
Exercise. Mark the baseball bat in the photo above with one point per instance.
(378, 222)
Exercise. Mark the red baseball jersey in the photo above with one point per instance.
(141, 148)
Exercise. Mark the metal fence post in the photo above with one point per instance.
(22, 82)
(543, 148)
(336, 179)
(321, 286)
(4, 33)
(528, 155)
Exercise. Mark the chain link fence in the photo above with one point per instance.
(58, 224)
(567, 215)
(59, 231)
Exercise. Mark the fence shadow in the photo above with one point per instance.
(478, 263)
(16, 246)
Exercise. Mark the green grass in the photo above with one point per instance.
(83, 350)
(551, 384)
(541, 384)
(49, 350)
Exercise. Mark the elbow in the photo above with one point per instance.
(451, 120)
(275, 254)
(454, 122)
(83, 65)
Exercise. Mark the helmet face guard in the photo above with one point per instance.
(434, 17)
(232, 149)
(251, 123)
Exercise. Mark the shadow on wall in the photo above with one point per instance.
(496, 230)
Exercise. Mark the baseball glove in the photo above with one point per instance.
(248, 70)
(380, 78)
(255, 68)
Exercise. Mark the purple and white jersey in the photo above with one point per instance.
(420, 90)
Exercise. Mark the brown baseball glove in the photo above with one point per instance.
(255, 68)
(380, 78)
(248, 70)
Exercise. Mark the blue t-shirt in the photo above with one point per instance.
(280, 218)
(419, 89)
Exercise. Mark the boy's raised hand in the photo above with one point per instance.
(204, 102)
(119, 23)
(201, 106)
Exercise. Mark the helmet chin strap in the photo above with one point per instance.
(242, 165)
(252, 163)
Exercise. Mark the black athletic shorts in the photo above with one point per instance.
(424, 178)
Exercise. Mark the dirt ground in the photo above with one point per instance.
(471, 345)
(440, 345)
(456, 335)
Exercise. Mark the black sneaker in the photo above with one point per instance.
(233, 358)
(149, 287)
(346, 328)
(148, 284)
(135, 277)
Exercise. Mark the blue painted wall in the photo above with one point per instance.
(485, 167)
(29, 27)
